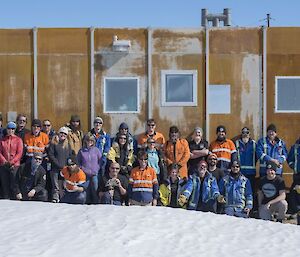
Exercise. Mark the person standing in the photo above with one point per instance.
(151, 133)
(11, 151)
(58, 152)
(246, 153)
(75, 135)
(89, 160)
(103, 142)
(271, 149)
(199, 149)
(224, 149)
(143, 185)
(177, 151)
(271, 195)
(21, 129)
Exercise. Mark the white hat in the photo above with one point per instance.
(64, 130)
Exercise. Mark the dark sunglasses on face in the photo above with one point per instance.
(151, 125)
(46, 125)
(212, 159)
(245, 132)
(144, 159)
(98, 122)
(235, 166)
(38, 159)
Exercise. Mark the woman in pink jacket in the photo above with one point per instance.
(11, 150)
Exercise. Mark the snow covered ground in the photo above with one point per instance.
(44, 229)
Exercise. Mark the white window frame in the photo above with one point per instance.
(276, 94)
(121, 78)
(164, 73)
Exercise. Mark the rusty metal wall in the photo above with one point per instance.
(235, 58)
(16, 67)
(178, 49)
(63, 75)
(283, 59)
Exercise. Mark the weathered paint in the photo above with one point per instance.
(63, 75)
(178, 49)
(283, 59)
(235, 59)
(16, 71)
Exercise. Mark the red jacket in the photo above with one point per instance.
(11, 150)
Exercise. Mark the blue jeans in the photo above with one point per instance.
(74, 197)
(91, 191)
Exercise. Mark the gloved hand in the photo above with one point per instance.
(221, 199)
(19, 196)
(182, 200)
(297, 188)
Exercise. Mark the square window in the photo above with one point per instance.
(287, 94)
(219, 99)
(121, 95)
(179, 88)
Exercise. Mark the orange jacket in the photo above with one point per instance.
(182, 152)
(72, 180)
(223, 150)
(158, 137)
(35, 144)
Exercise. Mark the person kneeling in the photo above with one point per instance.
(201, 192)
(238, 193)
(74, 183)
(112, 188)
(30, 181)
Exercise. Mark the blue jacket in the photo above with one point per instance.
(294, 157)
(210, 190)
(265, 151)
(247, 156)
(237, 192)
(103, 144)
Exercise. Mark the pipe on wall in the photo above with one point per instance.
(207, 83)
(149, 82)
(264, 125)
(92, 75)
(35, 74)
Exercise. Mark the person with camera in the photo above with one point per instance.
(112, 186)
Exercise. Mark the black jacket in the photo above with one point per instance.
(24, 173)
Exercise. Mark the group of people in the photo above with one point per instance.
(72, 167)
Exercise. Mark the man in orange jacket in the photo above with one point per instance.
(177, 151)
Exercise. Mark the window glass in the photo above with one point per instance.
(121, 95)
(219, 99)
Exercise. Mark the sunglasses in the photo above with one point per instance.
(144, 159)
(245, 132)
(98, 122)
(46, 125)
(63, 134)
(38, 159)
(151, 125)
(235, 166)
(212, 159)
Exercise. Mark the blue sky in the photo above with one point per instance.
(142, 13)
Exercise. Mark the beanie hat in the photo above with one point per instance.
(212, 155)
(75, 117)
(173, 129)
(36, 122)
(271, 127)
(235, 162)
(123, 125)
(221, 128)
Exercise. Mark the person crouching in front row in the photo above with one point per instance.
(30, 181)
(201, 192)
(172, 187)
(112, 187)
(75, 184)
